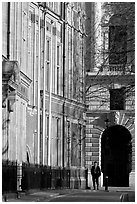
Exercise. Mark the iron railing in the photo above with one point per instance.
(40, 177)
(9, 176)
(44, 177)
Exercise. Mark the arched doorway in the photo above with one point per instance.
(116, 155)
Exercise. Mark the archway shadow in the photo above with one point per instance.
(116, 155)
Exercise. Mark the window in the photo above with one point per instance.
(58, 142)
(58, 55)
(48, 64)
(68, 143)
(47, 139)
(80, 144)
(117, 41)
(58, 67)
(57, 80)
(117, 99)
(47, 127)
(47, 53)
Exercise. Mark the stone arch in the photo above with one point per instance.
(116, 155)
(96, 127)
(126, 120)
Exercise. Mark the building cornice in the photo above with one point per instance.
(105, 79)
(94, 113)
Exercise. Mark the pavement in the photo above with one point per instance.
(127, 194)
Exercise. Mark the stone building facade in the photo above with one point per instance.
(44, 59)
(110, 91)
(43, 102)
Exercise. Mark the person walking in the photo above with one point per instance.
(96, 173)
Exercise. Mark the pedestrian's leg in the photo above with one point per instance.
(93, 179)
(97, 182)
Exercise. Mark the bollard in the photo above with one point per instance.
(18, 195)
(5, 198)
(106, 183)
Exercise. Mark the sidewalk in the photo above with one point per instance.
(38, 195)
(43, 195)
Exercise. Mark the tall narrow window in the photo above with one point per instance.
(69, 64)
(57, 80)
(117, 45)
(37, 67)
(57, 141)
(117, 40)
(68, 143)
(58, 55)
(47, 138)
(58, 67)
(48, 64)
(80, 127)
(41, 139)
(47, 54)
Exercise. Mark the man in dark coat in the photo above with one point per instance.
(95, 172)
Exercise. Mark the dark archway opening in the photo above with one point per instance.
(116, 155)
